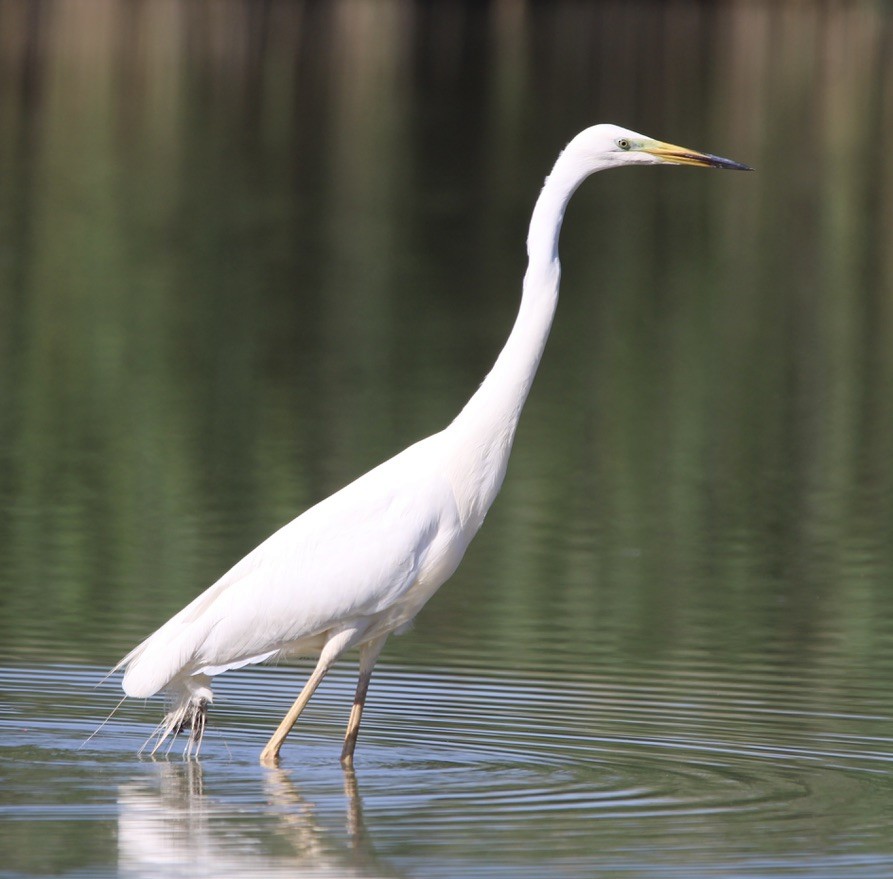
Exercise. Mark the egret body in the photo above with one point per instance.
(361, 563)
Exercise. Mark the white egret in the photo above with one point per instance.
(361, 564)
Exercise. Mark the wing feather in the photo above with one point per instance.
(350, 557)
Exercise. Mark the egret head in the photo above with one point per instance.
(607, 146)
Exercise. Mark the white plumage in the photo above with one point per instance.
(361, 563)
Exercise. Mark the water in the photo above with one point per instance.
(653, 773)
(247, 251)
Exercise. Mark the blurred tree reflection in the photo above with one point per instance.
(249, 250)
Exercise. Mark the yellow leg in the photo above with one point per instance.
(334, 647)
(270, 754)
(368, 655)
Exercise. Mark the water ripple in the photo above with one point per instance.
(472, 764)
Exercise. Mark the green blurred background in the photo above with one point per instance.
(248, 250)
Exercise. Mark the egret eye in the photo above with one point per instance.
(623, 143)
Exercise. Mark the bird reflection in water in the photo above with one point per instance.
(169, 825)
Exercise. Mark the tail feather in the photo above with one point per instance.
(188, 710)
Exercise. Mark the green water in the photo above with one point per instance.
(247, 251)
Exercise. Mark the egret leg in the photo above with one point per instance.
(368, 655)
(334, 647)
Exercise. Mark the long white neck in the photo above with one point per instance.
(485, 428)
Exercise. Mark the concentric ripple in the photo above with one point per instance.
(506, 773)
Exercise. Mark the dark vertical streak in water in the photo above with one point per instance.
(875, 368)
(16, 301)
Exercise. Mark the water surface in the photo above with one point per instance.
(247, 251)
(654, 774)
